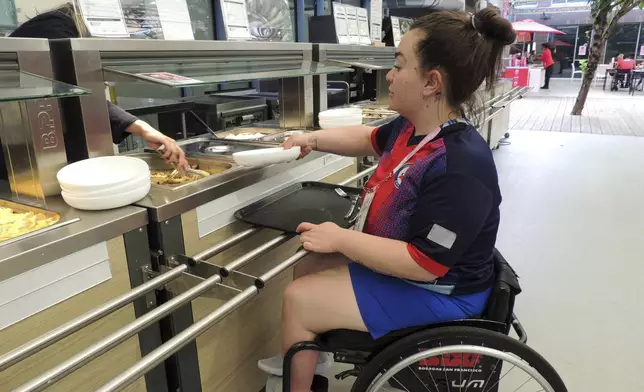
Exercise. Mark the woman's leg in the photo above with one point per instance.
(316, 262)
(314, 304)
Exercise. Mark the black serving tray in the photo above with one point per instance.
(313, 202)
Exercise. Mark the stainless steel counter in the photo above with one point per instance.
(92, 228)
(163, 204)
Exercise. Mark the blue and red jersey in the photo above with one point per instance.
(444, 202)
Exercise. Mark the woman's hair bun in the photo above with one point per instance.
(492, 25)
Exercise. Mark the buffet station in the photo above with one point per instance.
(180, 289)
(56, 262)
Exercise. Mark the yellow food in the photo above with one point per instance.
(16, 223)
(164, 177)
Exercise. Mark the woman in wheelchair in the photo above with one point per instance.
(421, 251)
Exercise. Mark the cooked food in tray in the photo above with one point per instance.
(173, 177)
(15, 222)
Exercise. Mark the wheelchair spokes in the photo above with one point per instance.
(460, 368)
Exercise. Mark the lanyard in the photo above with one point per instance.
(370, 192)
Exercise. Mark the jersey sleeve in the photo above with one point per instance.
(381, 135)
(451, 211)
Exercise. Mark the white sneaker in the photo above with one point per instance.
(274, 365)
(274, 384)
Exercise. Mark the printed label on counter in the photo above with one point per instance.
(168, 78)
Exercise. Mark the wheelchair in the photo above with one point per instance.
(465, 355)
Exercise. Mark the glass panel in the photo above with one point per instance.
(622, 41)
(564, 52)
(142, 19)
(193, 75)
(270, 20)
(18, 86)
(367, 64)
(8, 18)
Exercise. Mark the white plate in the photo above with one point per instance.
(337, 124)
(101, 173)
(106, 202)
(337, 113)
(266, 156)
(134, 183)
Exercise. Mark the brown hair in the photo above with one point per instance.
(466, 49)
(69, 10)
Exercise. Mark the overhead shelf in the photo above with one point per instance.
(19, 86)
(374, 64)
(192, 74)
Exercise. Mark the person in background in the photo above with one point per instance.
(623, 65)
(532, 58)
(64, 22)
(548, 63)
(421, 250)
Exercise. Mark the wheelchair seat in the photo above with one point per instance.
(497, 316)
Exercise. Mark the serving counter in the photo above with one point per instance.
(50, 278)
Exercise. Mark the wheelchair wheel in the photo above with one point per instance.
(458, 359)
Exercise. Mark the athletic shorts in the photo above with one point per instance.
(387, 303)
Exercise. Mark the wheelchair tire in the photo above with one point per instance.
(431, 338)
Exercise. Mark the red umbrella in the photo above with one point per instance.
(529, 25)
(559, 42)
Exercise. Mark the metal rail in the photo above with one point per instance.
(173, 345)
(74, 363)
(40, 343)
(191, 333)
(53, 375)
(253, 254)
(225, 244)
(358, 176)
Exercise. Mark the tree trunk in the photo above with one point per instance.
(594, 58)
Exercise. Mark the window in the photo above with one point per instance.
(640, 45)
(623, 41)
(564, 53)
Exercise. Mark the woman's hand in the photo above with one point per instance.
(307, 143)
(172, 152)
(324, 238)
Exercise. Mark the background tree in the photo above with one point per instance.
(605, 14)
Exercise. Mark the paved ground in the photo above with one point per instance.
(606, 112)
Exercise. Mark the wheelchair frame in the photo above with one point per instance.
(360, 358)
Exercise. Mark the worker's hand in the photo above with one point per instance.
(324, 238)
(306, 141)
(172, 153)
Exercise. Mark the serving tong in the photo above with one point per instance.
(354, 210)
(176, 172)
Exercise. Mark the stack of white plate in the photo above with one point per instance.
(336, 118)
(104, 183)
